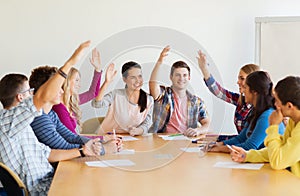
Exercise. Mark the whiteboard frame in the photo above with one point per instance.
(258, 22)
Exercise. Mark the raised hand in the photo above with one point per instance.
(110, 73)
(96, 60)
(203, 64)
(78, 53)
(163, 54)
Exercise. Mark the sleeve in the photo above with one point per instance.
(45, 131)
(106, 101)
(163, 91)
(240, 138)
(216, 89)
(283, 151)
(70, 137)
(258, 134)
(202, 114)
(146, 124)
(19, 117)
(93, 90)
(64, 116)
(257, 156)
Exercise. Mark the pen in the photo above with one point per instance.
(176, 134)
(114, 133)
(232, 149)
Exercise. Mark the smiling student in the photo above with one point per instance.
(242, 109)
(130, 108)
(282, 152)
(176, 110)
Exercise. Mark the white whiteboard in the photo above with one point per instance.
(277, 47)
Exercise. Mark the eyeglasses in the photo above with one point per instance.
(28, 90)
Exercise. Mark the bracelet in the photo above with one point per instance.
(81, 151)
(62, 73)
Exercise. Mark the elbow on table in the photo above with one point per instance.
(277, 165)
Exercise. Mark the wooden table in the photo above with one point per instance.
(155, 173)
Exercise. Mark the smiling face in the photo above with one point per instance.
(134, 79)
(241, 80)
(74, 83)
(180, 78)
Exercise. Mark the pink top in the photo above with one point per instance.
(122, 114)
(62, 112)
(178, 121)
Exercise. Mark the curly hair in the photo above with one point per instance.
(40, 75)
(71, 101)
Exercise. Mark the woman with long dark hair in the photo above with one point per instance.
(130, 108)
(258, 92)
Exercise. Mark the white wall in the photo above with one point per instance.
(36, 32)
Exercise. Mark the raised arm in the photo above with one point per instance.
(49, 90)
(93, 91)
(153, 83)
(203, 64)
(109, 76)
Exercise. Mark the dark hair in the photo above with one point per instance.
(179, 64)
(260, 82)
(142, 102)
(288, 90)
(40, 75)
(10, 86)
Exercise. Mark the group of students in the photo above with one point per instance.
(44, 128)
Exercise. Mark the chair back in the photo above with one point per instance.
(11, 182)
(91, 125)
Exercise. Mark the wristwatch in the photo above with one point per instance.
(81, 151)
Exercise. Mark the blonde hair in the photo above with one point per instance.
(249, 68)
(71, 101)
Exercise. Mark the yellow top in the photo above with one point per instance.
(280, 151)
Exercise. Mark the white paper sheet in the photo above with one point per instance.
(191, 149)
(128, 138)
(177, 137)
(235, 165)
(126, 151)
(109, 163)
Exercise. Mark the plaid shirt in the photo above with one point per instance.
(164, 106)
(242, 110)
(20, 149)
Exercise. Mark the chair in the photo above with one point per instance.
(91, 125)
(11, 182)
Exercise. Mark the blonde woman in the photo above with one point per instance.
(68, 110)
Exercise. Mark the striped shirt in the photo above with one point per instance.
(242, 110)
(50, 131)
(164, 106)
(20, 149)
